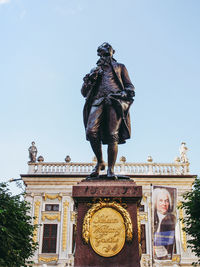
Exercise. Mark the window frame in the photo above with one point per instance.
(50, 240)
(52, 204)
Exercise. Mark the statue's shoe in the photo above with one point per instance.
(111, 175)
(99, 167)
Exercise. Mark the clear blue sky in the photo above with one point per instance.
(46, 47)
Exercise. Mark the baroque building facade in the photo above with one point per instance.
(49, 191)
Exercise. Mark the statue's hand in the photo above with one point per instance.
(127, 94)
(94, 74)
(123, 94)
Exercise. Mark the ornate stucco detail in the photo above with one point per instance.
(176, 258)
(143, 216)
(52, 197)
(48, 259)
(183, 233)
(144, 198)
(139, 225)
(146, 261)
(150, 203)
(73, 216)
(51, 217)
(64, 233)
(36, 218)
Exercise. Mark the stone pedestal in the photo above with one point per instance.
(125, 192)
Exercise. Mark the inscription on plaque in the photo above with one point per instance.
(107, 232)
(95, 190)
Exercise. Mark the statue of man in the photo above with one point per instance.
(109, 94)
(32, 152)
(183, 153)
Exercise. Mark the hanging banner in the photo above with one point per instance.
(164, 221)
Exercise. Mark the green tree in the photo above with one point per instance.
(16, 230)
(191, 207)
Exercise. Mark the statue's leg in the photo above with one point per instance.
(96, 147)
(114, 122)
(92, 132)
(112, 156)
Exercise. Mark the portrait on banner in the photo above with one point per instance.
(164, 221)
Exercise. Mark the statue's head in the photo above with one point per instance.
(105, 50)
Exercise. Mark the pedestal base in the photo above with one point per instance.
(126, 192)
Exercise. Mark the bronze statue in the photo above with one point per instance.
(32, 152)
(109, 94)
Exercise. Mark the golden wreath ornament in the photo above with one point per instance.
(106, 204)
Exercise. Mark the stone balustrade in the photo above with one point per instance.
(122, 168)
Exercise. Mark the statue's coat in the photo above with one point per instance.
(121, 105)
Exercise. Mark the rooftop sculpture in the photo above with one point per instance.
(32, 152)
(183, 153)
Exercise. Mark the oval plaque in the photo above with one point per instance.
(107, 232)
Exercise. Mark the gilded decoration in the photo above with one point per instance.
(107, 232)
(103, 221)
(139, 225)
(73, 216)
(144, 198)
(51, 217)
(36, 219)
(146, 261)
(176, 258)
(52, 197)
(143, 216)
(64, 233)
(183, 233)
(48, 259)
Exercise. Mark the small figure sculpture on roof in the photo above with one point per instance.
(183, 153)
(32, 152)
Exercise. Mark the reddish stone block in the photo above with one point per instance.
(85, 192)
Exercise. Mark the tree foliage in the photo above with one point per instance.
(16, 230)
(191, 207)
